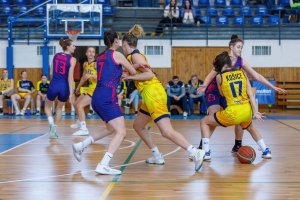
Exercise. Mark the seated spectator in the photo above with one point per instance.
(295, 5)
(42, 88)
(171, 14)
(188, 13)
(133, 95)
(176, 94)
(6, 88)
(120, 92)
(25, 89)
(194, 97)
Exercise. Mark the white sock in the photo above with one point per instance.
(106, 159)
(89, 140)
(50, 120)
(83, 125)
(191, 149)
(155, 151)
(205, 144)
(262, 144)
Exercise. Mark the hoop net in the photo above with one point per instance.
(73, 34)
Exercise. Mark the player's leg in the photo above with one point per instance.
(239, 132)
(14, 99)
(38, 104)
(77, 124)
(26, 103)
(84, 101)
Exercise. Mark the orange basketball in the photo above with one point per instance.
(246, 155)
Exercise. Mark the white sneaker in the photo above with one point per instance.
(18, 113)
(22, 112)
(185, 114)
(72, 113)
(198, 159)
(102, 169)
(52, 132)
(63, 113)
(78, 150)
(77, 125)
(156, 160)
(191, 157)
(81, 132)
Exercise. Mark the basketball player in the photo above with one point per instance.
(236, 89)
(155, 104)
(61, 85)
(105, 102)
(213, 98)
(6, 88)
(42, 87)
(90, 75)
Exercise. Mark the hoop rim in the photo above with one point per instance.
(73, 34)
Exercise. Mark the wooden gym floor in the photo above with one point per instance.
(34, 167)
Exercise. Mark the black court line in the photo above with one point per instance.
(284, 124)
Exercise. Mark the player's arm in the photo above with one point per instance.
(82, 80)
(32, 89)
(256, 114)
(182, 91)
(120, 58)
(219, 83)
(71, 78)
(10, 89)
(212, 74)
(260, 78)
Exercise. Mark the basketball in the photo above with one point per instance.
(246, 155)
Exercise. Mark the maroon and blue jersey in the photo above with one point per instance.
(59, 85)
(105, 99)
(61, 66)
(212, 94)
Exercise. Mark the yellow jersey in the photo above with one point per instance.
(234, 87)
(90, 69)
(138, 83)
(5, 84)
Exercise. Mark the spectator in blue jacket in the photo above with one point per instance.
(193, 85)
(176, 94)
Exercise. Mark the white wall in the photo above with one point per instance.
(284, 55)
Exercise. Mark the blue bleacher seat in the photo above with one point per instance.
(212, 11)
(108, 10)
(257, 21)
(36, 2)
(206, 20)
(239, 21)
(220, 2)
(245, 11)
(105, 2)
(40, 11)
(228, 11)
(7, 10)
(222, 20)
(71, 1)
(262, 10)
(5, 2)
(23, 9)
(203, 3)
(197, 11)
(274, 20)
(21, 2)
(284, 3)
(236, 2)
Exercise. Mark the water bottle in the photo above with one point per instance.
(28, 111)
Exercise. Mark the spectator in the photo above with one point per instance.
(176, 94)
(6, 88)
(194, 97)
(120, 92)
(42, 88)
(171, 14)
(295, 5)
(25, 89)
(133, 95)
(188, 13)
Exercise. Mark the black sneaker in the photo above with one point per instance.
(127, 105)
(235, 148)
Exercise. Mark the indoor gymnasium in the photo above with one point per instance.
(154, 99)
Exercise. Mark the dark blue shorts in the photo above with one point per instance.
(58, 89)
(105, 103)
(213, 96)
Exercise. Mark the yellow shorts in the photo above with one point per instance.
(235, 115)
(88, 91)
(22, 94)
(155, 102)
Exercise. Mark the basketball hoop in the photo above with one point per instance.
(73, 34)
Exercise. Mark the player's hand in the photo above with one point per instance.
(259, 116)
(201, 89)
(144, 66)
(280, 90)
(86, 77)
(125, 75)
(77, 91)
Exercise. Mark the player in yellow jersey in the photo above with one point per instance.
(155, 103)
(235, 87)
(6, 88)
(90, 75)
